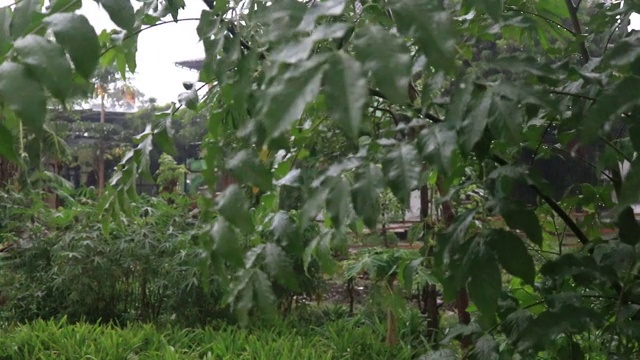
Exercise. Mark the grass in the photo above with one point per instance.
(335, 339)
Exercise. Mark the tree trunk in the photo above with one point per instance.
(429, 293)
(101, 180)
(462, 299)
(8, 172)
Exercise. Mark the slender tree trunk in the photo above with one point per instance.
(101, 180)
(462, 299)
(429, 293)
(392, 327)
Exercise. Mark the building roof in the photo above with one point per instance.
(191, 64)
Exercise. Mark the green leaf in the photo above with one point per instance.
(320, 248)
(48, 62)
(518, 217)
(338, 203)
(630, 192)
(614, 100)
(234, 206)
(7, 144)
(437, 143)
(492, 7)
(120, 12)
(265, 298)
(402, 167)
(485, 283)
(387, 57)
(444, 354)
(246, 167)
(279, 266)
(285, 100)
(79, 39)
(432, 26)
(629, 227)
(64, 6)
(476, 122)
(189, 99)
(162, 135)
(5, 30)
(486, 348)
(634, 135)
(512, 254)
(24, 15)
(365, 194)
(346, 92)
(23, 94)
(226, 242)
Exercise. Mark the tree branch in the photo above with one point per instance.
(553, 205)
(500, 161)
(575, 22)
(515, 9)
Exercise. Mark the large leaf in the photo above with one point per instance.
(48, 62)
(245, 167)
(79, 39)
(431, 26)
(614, 100)
(486, 348)
(24, 95)
(512, 254)
(629, 227)
(320, 249)
(7, 144)
(368, 185)
(234, 206)
(24, 16)
(402, 167)
(285, 100)
(120, 11)
(476, 122)
(630, 192)
(339, 204)
(346, 92)
(5, 30)
(386, 56)
(437, 144)
(226, 242)
(279, 266)
(518, 217)
(485, 283)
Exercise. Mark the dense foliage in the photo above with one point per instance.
(462, 97)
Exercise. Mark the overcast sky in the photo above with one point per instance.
(160, 47)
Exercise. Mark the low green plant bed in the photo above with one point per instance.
(339, 339)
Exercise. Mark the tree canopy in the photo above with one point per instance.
(398, 95)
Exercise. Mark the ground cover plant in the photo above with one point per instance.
(328, 108)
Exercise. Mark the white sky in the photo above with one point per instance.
(160, 47)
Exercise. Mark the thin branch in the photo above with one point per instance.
(544, 133)
(137, 32)
(566, 93)
(553, 205)
(615, 148)
(570, 31)
(585, 161)
(606, 46)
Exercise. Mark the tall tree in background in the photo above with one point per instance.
(113, 94)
